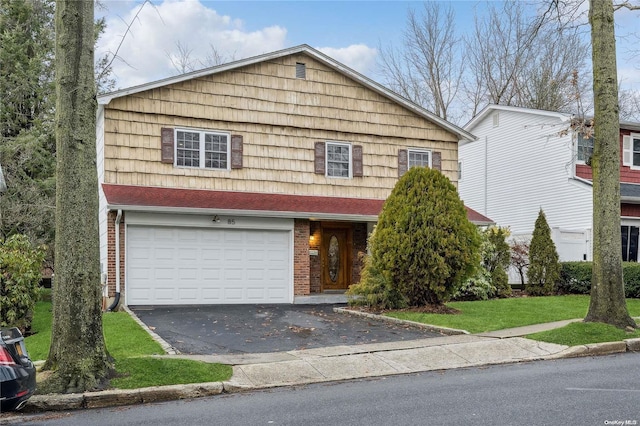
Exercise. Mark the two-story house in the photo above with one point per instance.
(256, 181)
(524, 160)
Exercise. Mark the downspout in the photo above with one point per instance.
(117, 297)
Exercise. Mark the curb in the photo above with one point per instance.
(442, 330)
(122, 397)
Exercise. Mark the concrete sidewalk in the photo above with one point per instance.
(299, 367)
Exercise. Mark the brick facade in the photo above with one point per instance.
(111, 253)
(627, 175)
(314, 261)
(301, 284)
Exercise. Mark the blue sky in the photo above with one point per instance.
(349, 31)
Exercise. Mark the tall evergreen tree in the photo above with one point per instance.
(544, 265)
(77, 354)
(27, 145)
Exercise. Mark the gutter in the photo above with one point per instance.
(116, 301)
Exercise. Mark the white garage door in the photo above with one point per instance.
(172, 266)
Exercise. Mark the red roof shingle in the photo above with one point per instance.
(141, 196)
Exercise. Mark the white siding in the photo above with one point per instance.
(525, 165)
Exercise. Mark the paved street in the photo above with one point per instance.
(577, 391)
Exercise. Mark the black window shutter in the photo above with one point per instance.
(436, 161)
(357, 160)
(236, 151)
(319, 166)
(403, 162)
(167, 145)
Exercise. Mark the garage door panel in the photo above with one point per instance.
(190, 266)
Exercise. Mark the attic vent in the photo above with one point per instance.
(301, 70)
(496, 119)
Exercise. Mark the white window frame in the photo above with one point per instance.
(578, 138)
(420, 152)
(201, 148)
(628, 152)
(349, 161)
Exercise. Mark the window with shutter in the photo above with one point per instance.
(413, 157)
(200, 149)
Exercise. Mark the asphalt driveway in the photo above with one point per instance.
(238, 329)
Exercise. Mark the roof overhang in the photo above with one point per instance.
(563, 117)
(195, 201)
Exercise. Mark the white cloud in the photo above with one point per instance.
(155, 33)
(360, 57)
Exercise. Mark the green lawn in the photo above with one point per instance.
(583, 333)
(131, 347)
(498, 314)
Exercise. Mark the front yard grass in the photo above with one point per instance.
(133, 350)
(581, 333)
(497, 314)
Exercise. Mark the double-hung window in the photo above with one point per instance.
(338, 160)
(631, 150)
(202, 149)
(584, 148)
(419, 158)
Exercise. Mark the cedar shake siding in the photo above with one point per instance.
(275, 122)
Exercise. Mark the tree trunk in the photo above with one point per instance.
(608, 304)
(77, 354)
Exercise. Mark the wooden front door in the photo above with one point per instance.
(336, 272)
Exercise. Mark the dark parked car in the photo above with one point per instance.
(17, 372)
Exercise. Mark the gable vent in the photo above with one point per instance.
(301, 70)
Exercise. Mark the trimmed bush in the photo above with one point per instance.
(575, 278)
(424, 247)
(20, 273)
(491, 279)
(544, 265)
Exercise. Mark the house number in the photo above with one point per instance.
(231, 221)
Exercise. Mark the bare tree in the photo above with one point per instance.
(554, 76)
(215, 57)
(428, 71)
(182, 58)
(518, 60)
(629, 101)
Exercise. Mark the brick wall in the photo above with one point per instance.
(314, 261)
(301, 282)
(111, 253)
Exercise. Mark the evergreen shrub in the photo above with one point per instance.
(544, 264)
(423, 247)
(576, 278)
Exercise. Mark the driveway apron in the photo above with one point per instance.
(237, 329)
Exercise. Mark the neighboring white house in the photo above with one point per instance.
(522, 161)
